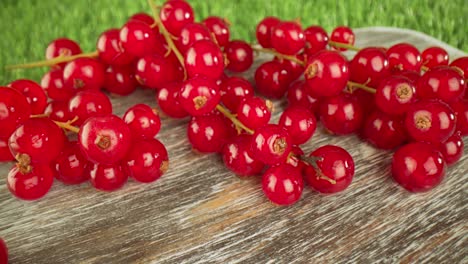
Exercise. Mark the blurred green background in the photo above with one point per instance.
(27, 26)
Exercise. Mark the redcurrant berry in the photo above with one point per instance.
(219, 27)
(30, 183)
(271, 144)
(316, 40)
(110, 49)
(204, 58)
(190, 34)
(144, 122)
(434, 56)
(87, 104)
(147, 160)
(168, 100)
(107, 177)
(254, 112)
(287, 38)
(395, 95)
(264, 29)
(272, 79)
(342, 114)
(62, 47)
(14, 110)
(33, 93)
(343, 34)
(282, 184)
(298, 96)
(404, 56)
(199, 95)
(299, 122)
(452, 149)
(238, 157)
(138, 39)
(175, 15)
(52, 83)
(369, 66)
(442, 83)
(70, 165)
(120, 80)
(233, 90)
(58, 111)
(208, 134)
(84, 74)
(239, 56)
(384, 131)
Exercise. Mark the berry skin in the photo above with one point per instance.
(282, 184)
(254, 112)
(326, 74)
(84, 74)
(404, 56)
(52, 83)
(272, 79)
(294, 69)
(462, 64)
(143, 122)
(168, 100)
(418, 167)
(208, 134)
(434, 56)
(70, 166)
(234, 90)
(175, 15)
(3, 252)
(384, 131)
(204, 58)
(442, 83)
(287, 38)
(452, 149)
(137, 39)
(120, 80)
(316, 40)
(431, 121)
(271, 144)
(461, 111)
(333, 170)
(199, 95)
(219, 27)
(298, 96)
(105, 139)
(30, 183)
(15, 110)
(369, 66)
(342, 34)
(154, 71)
(300, 123)
(238, 157)
(264, 29)
(62, 47)
(239, 56)
(39, 138)
(342, 114)
(143, 17)
(107, 178)
(58, 111)
(5, 154)
(88, 104)
(33, 93)
(110, 49)
(395, 95)
(147, 160)
(190, 34)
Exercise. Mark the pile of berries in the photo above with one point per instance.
(395, 98)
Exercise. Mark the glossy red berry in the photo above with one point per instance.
(15, 109)
(298, 96)
(430, 121)
(282, 184)
(190, 34)
(110, 49)
(30, 183)
(175, 15)
(87, 104)
(154, 71)
(326, 74)
(58, 111)
(461, 112)
(234, 90)
(70, 165)
(53, 85)
(62, 47)
(264, 29)
(272, 79)
(341, 114)
(404, 56)
(384, 131)
(395, 95)
(343, 34)
(442, 83)
(288, 38)
(107, 177)
(413, 76)
(239, 56)
(238, 157)
(147, 160)
(418, 167)
(452, 149)
(138, 38)
(293, 68)
(143, 17)
(316, 40)
(254, 112)
(3, 252)
(219, 27)
(462, 64)
(168, 100)
(434, 56)
(84, 74)
(331, 171)
(300, 123)
(204, 58)
(369, 66)
(120, 80)
(271, 144)
(39, 138)
(33, 93)
(144, 122)
(208, 134)
(366, 100)
(199, 95)
(105, 139)
(5, 154)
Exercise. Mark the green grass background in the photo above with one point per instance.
(27, 26)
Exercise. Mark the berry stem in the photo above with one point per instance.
(343, 45)
(68, 126)
(233, 119)
(424, 68)
(361, 86)
(51, 62)
(279, 55)
(312, 161)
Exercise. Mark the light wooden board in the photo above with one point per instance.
(199, 212)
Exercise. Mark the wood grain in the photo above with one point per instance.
(201, 213)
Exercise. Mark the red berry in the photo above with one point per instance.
(88, 104)
(144, 122)
(204, 58)
(120, 80)
(143, 17)
(316, 40)
(404, 56)
(168, 100)
(208, 134)
(254, 112)
(30, 183)
(282, 184)
(298, 96)
(138, 38)
(442, 83)
(39, 138)
(219, 27)
(264, 29)
(326, 74)
(418, 167)
(462, 64)
(272, 79)
(84, 74)
(384, 131)
(413, 76)
(366, 100)
(62, 47)
(271, 144)
(238, 157)
(342, 114)
(343, 34)
(155, 71)
(107, 177)
(287, 38)
(299, 122)
(105, 139)
(14, 110)
(239, 56)
(71, 164)
(110, 49)
(234, 90)
(3, 252)
(5, 154)
(53, 85)
(430, 121)
(58, 111)
(147, 160)
(190, 34)
(33, 93)
(175, 15)
(461, 111)
(395, 95)
(199, 95)
(294, 69)
(369, 66)
(332, 171)
(434, 56)
(452, 149)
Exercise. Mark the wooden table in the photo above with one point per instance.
(199, 212)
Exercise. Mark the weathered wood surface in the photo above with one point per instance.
(201, 213)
